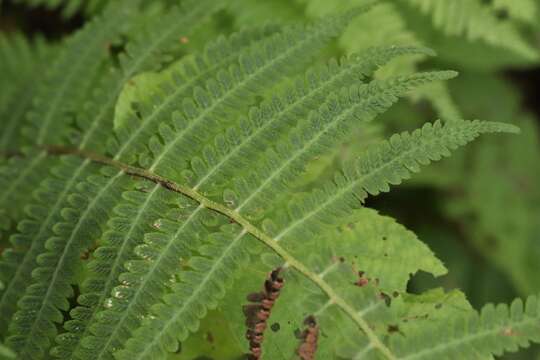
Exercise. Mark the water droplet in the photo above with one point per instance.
(157, 224)
(108, 303)
(119, 293)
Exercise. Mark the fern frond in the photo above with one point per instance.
(85, 313)
(18, 176)
(194, 218)
(133, 132)
(39, 308)
(68, 7)
(386, 164)
(83, 55)
(281, 49)
(239, 148)
(124, 230)
(196, 185)
(262, 66)
(360, 250)
(92, 134)
(325, 128)
(476, 21)
(495, 330)
(522, 10)
(17, 263)
(197, 290)
(22, 63)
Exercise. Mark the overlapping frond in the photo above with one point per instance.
(18, 263)
(522, 10)
(476, 21)
(57, 267)
(83, 56)
(240, 146)
(201, 163)
(175, 84)
(126, 227)
(261, 72)
(357, 261)
(75, 239)
(384, 165)
(324, 128)
(68, 7)
(258, 69)
(497, 329)
(22, 64)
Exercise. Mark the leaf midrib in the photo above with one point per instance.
(251, 229)
(193, 297)
(44, 226)
(116, 264)
(230, 94)
(61, 259)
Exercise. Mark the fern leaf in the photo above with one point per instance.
(147, 276)
(325, 128)
(85, 314)
(522, 10)
(261, 67)
(167, 251)
(18, 178)
(108, 262)
(241, 145)
(142, 54)
(386, 164)
(383, 55)
(360, 250)
(495, 330)
(17, 264)
(218, 56)
(475, 21)
(93, 132)
(39, 308)
(22, 63)
(197, 290)
(148, 248)
(69, 7)
(295, 43)
(84, 54)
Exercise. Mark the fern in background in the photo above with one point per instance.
(166, 160)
